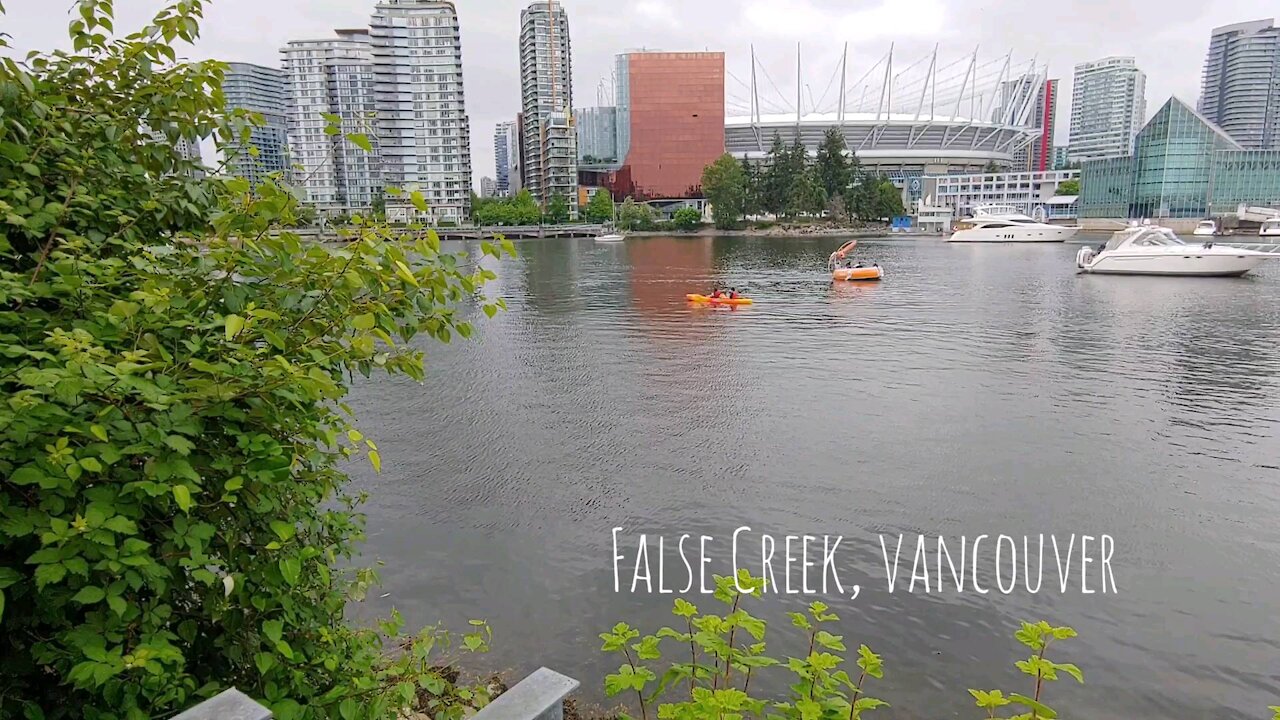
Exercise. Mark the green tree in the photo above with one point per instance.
(600, 207)
(635, 216)
(833, 164)
(751, 188)
(991, 167)
(173, 368)
(1068, 187)
(557, 209)
(888, 199)
(725, 186)
(523, 209)
(807, 196)
(379, 205)
(686, 219)
(775, 181)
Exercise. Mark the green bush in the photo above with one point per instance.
(687, 219)
(713, 660)
(173, 367)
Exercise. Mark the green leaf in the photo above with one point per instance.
(49, 574)
(264, 662)
(361, 141)
(363, 322)
(89, 595)
(1044, 711)
(1, 605)
(99, 432)
(405, 273)
(1071, 670)
(182, 496)
(282, 529)
(27, 475)
(234, 324)
(419, 202)
(273, 630)
(291, 568)
(91, 464)
(117, 604)
(375, 460)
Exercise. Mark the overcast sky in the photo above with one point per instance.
(1168, 38)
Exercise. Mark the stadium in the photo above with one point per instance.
(906, 120)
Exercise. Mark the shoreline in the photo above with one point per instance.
(780, 231)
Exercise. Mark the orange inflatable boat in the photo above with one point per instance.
(875, 272)
(858, 273)
(707, 299)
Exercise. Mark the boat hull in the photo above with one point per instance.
(1176, 265)
(857, 274)
(1040, 234)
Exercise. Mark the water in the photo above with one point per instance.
(978, 389)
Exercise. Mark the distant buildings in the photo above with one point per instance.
(597, 135)
(1036, 99)
(1183, 166)
(1240, 86)
(424, 134)
(1108, 105)
(670, 122)
(1060, 161)
(546, 82)
(505, 146)
(1023, 190)
(264, 91)
(334, 77)
(488, 188)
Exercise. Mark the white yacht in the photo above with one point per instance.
(1270, 228)
(1206, 227)
(1155, 250)
(1005, 224)
(611, 237)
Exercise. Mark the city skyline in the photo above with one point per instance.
(1172, 54)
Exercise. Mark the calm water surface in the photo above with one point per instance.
(978, 389)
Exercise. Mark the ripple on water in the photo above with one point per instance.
(975, 390)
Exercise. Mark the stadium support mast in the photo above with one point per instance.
(959, 98)
(886, 88)
(799, 96)
(930, 80)
(755, 102)
(844, 63)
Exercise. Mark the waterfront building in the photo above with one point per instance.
(1108, 105)
(546, 84)
(1184, 166)
(597, 136)
(1044, 114)
(423, 131)
(547, 94)
(670, 122)
(1240, 86)
(1026, 190)
(906, 119)
(332, 77)
(1060, 160)
(488, 187)
(263, 91)
(505, 148)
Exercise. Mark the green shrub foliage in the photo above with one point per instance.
(173, 366)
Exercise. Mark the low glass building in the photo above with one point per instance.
(1183, 166)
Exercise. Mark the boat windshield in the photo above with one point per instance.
(1146, 237)
(1206, 225)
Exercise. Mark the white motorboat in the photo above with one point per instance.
(1005, 224)
(1206, 227)
(1156, 250)
(1270, 228)
(611, 237)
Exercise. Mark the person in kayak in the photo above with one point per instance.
(716, 293)
(733, 293)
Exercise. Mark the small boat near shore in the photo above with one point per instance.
(1155, 250)
(708, 300)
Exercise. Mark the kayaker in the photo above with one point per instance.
(733, 293)
(716, 293)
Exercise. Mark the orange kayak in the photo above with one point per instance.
(717, 301)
